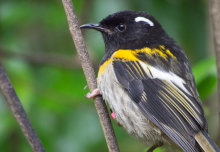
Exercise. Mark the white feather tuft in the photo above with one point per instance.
(143, 19)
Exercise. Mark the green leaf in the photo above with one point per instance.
(205, 73)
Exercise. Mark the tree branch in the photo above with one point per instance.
(215, 16)
(214, 10)
(90, 75)
(18, 112)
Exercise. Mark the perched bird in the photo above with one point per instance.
(148, 83)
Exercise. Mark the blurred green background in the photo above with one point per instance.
(40, 58)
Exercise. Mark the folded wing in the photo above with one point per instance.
(164, 98)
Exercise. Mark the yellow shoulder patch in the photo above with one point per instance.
(103, 66)
(130, 55)
(120, 54)
(125, 54)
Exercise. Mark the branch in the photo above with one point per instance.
(90, 75)
(215, 22)
(215, 16)
(18, 112)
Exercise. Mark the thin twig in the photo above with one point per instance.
(90, 75)
(18, 112)
(215, 22)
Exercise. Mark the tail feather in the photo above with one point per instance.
(206, 143)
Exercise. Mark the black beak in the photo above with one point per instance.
(95, 27)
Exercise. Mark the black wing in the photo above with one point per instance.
(167, 102)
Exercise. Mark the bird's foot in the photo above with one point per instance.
(93, 94)
(113, 115)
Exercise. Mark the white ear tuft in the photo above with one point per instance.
(143, 19)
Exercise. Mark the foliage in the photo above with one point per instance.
(205, 76)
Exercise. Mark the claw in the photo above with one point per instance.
(93, 94)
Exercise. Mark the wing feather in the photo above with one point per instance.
(164, 98)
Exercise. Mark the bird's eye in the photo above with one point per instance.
(121, 27)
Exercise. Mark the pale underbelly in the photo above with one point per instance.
(126, 111)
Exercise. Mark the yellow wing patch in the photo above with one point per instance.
(171, 54)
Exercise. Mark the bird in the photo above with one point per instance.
(147, 81)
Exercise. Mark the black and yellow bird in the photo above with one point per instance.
(148, 83)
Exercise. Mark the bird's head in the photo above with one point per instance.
(129, 30)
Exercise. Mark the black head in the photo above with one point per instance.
(129, 30)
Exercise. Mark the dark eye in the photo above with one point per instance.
(121, 27)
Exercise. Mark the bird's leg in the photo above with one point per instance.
(154, 147)
(112, 114)
(95, 93)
